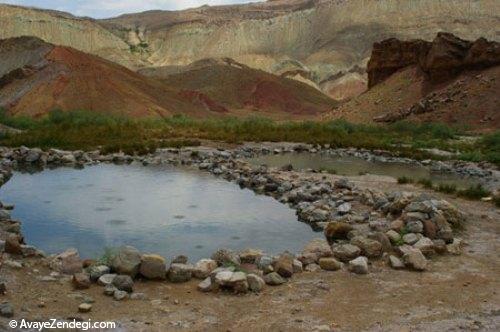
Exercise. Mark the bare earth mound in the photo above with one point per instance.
(245, 90)
(37, 77)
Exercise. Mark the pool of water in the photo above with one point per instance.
(352, 166)
(156, 209)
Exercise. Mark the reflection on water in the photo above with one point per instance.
(162, 210)
(351, 166)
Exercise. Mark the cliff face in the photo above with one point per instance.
(64, 29)
(444, 57)
(321, 39)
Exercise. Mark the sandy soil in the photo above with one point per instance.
(457, 293)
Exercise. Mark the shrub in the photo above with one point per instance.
(447, 188)
(427, 183)
(474, 192)
(404, 180)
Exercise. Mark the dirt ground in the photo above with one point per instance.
(457, 293)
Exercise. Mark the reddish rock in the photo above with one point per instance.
(443, 58)
(430, 229)
(81, 281)
(284, 265)
(13, 245)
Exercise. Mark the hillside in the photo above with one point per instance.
(37, 77)
(325, 43)
(450, 80)
(243, 89)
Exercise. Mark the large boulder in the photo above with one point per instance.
(153, 266)
(180, 272)
(126, 260)
(284, 265)
(67, 262)
(369, 247)
(203, 268)
(337, 231)
(346, 252)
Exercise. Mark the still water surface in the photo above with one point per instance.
(352, 166)
(156, 209)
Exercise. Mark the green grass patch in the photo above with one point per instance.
(405, 180)
(85, 130)
(426, 183)
(447, 188)
(474, 192)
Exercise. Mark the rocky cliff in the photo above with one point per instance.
(443, 58)
(315, 41)
(448, 80)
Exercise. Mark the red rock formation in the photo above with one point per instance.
(443, 59)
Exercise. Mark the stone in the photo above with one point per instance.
(13, 245)
(330, 264)
(425, 245)
(297, 266)
(397, 225)
(344, 208)
(153, 266)
(274, 279)
(126, 260)
(85, 307)
(379, 225)
(415, 216)
(312, 268)
(284, 265)
(440, 246)
(67, 262)
(138, 296)
(414, 259)
(383, 239)
(238, 282)
(359, 265)
(250, 255)
(180, 272)
(109, 290)
(6, 310)
(80, 281)
(205, 285)
(226, 257)
(264, 261)
(430, 229)
(96, 271)
(223, 278)
(394, 236)
(410, 238)
(337, 231)
(455, 248)
(181, 259)
(414, 226)
(255, 283)
(369, 248)
(120, 295)
(308, 258)
(203, 268)
(106, 279)
(343, 184)
(396, 263)
(319, 247)
(123, 282)
(346, 252)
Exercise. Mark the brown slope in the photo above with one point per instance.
(37, 77)
(449, 80)
(244, 90)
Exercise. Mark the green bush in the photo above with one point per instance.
(404, 180)
(474, 192)
(447, 188)
(427, 183)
